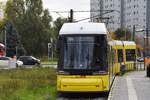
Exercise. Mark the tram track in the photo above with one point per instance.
(84, 96)
(82, 99)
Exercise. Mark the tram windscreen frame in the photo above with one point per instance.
(83, 52)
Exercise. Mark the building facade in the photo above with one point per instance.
(126, 14)
(96, 6)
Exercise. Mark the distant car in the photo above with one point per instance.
(140, 59)
(147, 56)
(7, 62)
(29, 60)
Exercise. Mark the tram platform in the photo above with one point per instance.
(132, 86)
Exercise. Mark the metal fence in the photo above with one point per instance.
(139, 66)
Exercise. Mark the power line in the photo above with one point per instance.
(59, 14)
(82, 11)
(85, 11)
(98, 16)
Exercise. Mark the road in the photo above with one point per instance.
(49, 65)
(42, 65)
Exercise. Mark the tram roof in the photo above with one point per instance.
(83, 28)
(118, 42)
(129, 43)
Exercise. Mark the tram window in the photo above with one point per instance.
(120, 55)
(85, 52)
(130, 55)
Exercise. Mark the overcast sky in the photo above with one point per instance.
(66, 5)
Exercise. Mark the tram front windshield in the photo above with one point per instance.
(85, 52)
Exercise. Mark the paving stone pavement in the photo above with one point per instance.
(140, 89)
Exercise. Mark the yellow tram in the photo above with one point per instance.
(124, 55)
(88, 61)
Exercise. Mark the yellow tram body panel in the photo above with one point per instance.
(116, 66)
(77, 83)
(130, 46)
(117, 47)
(129, 64)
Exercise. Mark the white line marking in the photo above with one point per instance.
(110, 96)
(131, 91)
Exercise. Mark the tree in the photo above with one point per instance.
(57, 26)
(1, 22)
(32, 22)
(1, 31)
(13, 43)
(1, 5)
(113, 35)
(123, 34)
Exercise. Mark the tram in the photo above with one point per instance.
(124, 56)
(88, 60)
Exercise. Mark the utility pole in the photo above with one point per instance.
(17, 51)
(147, 40)
(133, 35)
(101, 10)
(147, 53)
(147, 14)
(125, 30)
(144, 53)
(122, 14)
(71, 15)
(147, 22)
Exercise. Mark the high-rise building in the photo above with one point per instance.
(95, 9)
(126, 14)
